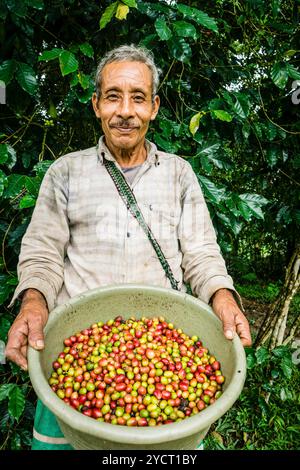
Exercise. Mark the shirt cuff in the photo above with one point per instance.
(219, 282)
(39, 284)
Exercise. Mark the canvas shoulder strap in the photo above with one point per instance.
(131, 203)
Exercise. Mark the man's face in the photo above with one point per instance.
(125, 105)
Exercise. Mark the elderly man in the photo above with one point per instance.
(82, 236)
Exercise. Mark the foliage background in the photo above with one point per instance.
(230, 105)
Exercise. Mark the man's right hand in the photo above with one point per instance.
(27, 328)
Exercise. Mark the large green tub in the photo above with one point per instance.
(186, 312)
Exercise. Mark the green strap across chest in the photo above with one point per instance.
(131, 203)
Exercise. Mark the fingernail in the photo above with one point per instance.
(24, 368)
(229, 334)
(39, 343)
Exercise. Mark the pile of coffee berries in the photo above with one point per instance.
(136, 373)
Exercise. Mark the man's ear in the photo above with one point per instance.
(95, 103)
(155, 107)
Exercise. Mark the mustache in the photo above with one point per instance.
(124, 123)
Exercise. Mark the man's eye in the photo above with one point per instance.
(112, 97)
(139, 99)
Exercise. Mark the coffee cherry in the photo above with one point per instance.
(136, 373)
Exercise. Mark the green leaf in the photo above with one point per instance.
(25, 435)
(12, 157)
(251, 361)
(18, 7)
(152, 9)
(68, 62)
(3, 153)
(250, 205)
(3, 182)
(26, 78)
(7, 155)
(16, 235)
(52, 109)
(37, 4)
(222, 115)
(239, 110)
(15, 184)
(5, 390)
(16, 402)
(5, 325)
(74, 80)
(27, 201)
(87, 49)
(272, 156)
(235, 225)
(274, 374)
(162, 29)
(180, 49)
(122, 11)
(50, 55)
(15, 441)
(32, 184)
(231, 222)
(148, 41)
(214, 194)
(219, 160)
(199, 16)
(107, 15)
(279, 75)
(85, 96)
(286, 367)
(5, 288)
(209, 149)
(195, 122)
(262, 355)
(281, 351)
(290, 53)
(167, 145)
(185, 29)
(130, 3)
(41, 167)
(246, 130)
(292, 72)
(270, 131)
(263, 405)
(7, 70)
(84, 80)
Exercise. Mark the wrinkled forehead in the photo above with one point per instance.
(126, 76)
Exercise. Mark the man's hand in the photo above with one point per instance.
(233, 319)
(27, 328)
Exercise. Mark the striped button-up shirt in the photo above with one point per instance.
(82, 236)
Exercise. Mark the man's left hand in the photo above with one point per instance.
(233, 319)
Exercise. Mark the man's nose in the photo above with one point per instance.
(125, 109)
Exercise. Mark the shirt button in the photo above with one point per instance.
(128, 234)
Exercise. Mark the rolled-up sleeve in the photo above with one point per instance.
(43, 247)
(202, 263)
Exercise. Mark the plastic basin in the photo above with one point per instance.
(184, 311)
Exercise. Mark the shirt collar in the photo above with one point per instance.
(103, 151)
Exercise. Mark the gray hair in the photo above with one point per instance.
(130, 53)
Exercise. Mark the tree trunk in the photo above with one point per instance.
(273, 328)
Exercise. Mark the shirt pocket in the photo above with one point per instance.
(163, 222)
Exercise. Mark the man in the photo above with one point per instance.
(82, 236)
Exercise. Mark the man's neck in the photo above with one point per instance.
(128, 157)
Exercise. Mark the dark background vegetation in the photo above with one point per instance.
(229, 97)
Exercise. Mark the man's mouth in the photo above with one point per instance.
(124, 129)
